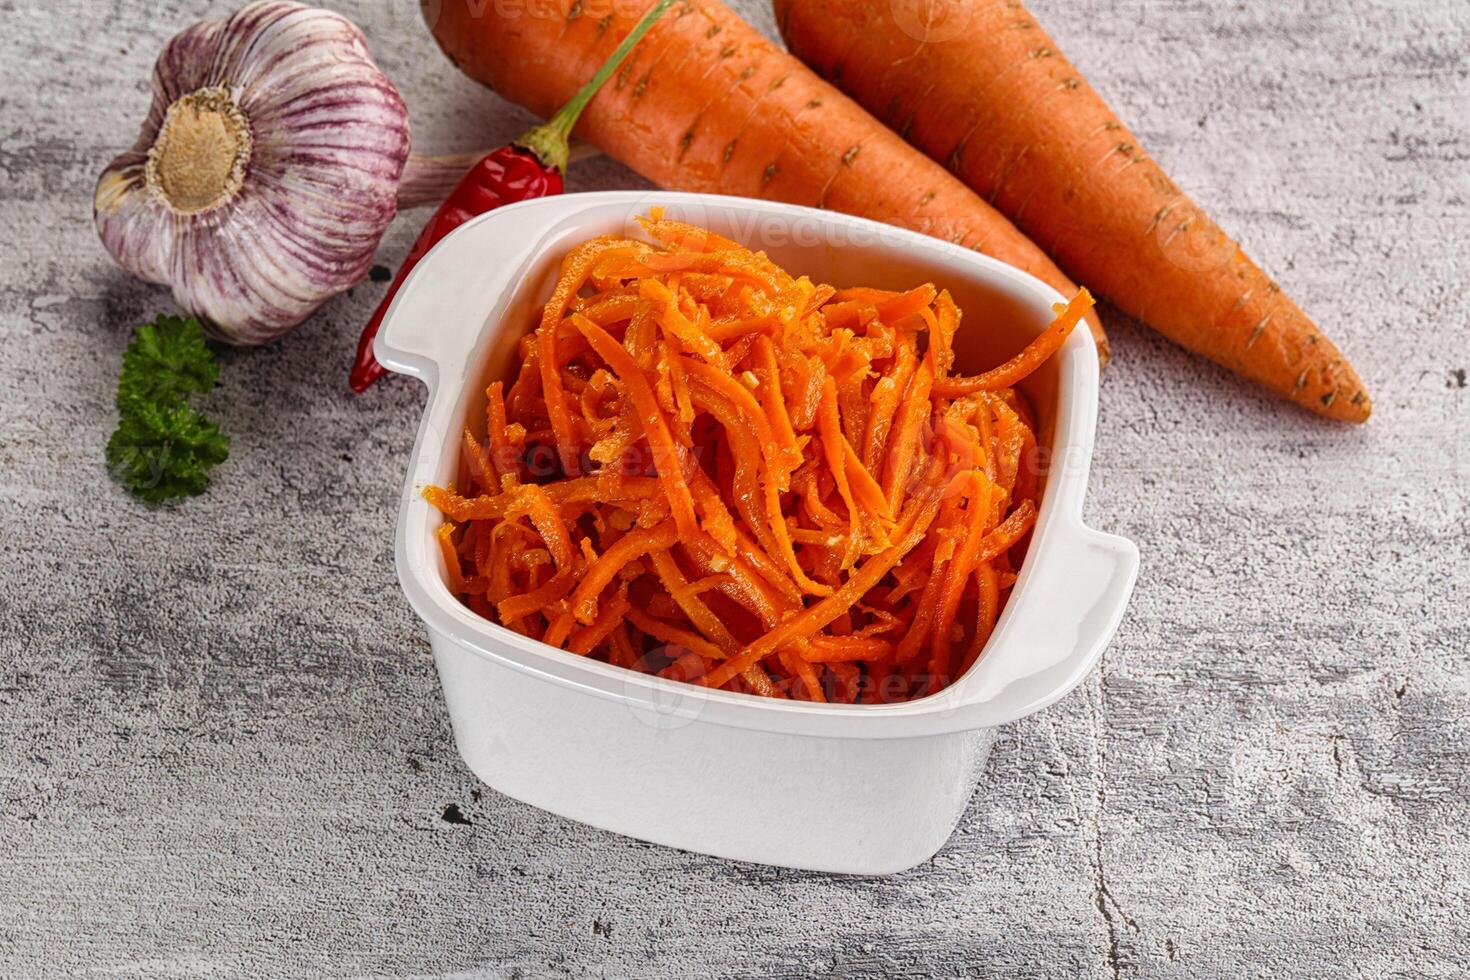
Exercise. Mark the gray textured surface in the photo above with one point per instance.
(222, 747)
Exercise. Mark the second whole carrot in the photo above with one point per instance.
(979, 86)
(708, 104)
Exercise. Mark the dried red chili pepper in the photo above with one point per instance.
(529, 167)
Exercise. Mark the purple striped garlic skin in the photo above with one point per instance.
(266, 172)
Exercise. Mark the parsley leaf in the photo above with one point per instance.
(167, 360)
(163, 448)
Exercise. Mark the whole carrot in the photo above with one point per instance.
(978, 85)
(706, 103)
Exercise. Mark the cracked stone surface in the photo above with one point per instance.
(223, 751)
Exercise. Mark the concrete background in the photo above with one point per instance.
(223, 750)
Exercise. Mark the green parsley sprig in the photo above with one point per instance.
(163, 448)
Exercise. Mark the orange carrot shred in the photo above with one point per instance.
(1036, 353)
(632, 545)
(451, 558)
(817, 616)
(668, 461)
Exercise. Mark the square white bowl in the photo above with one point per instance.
(867, 789)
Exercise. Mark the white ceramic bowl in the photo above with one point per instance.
(867, 789)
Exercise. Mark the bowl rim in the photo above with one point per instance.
(525, 231)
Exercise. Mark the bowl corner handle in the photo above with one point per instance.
(427, 329)
(1076, 604)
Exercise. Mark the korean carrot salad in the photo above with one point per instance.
(714, 471)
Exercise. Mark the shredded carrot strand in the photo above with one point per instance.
(532, 501)
(589, 637)
(477, 463)
(1036, 353)
(903, 443)
(803, 670)
(674, 635)
(819, 615)
(631, 546)
(667, 459)
(575, 270)
(957, 574)
(837, 649)
(502, 453)
(451, 557)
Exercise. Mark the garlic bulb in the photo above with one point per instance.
(273, 158)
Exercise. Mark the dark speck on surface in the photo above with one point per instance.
(380, 273)
(453, 814)
(1456, 378)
